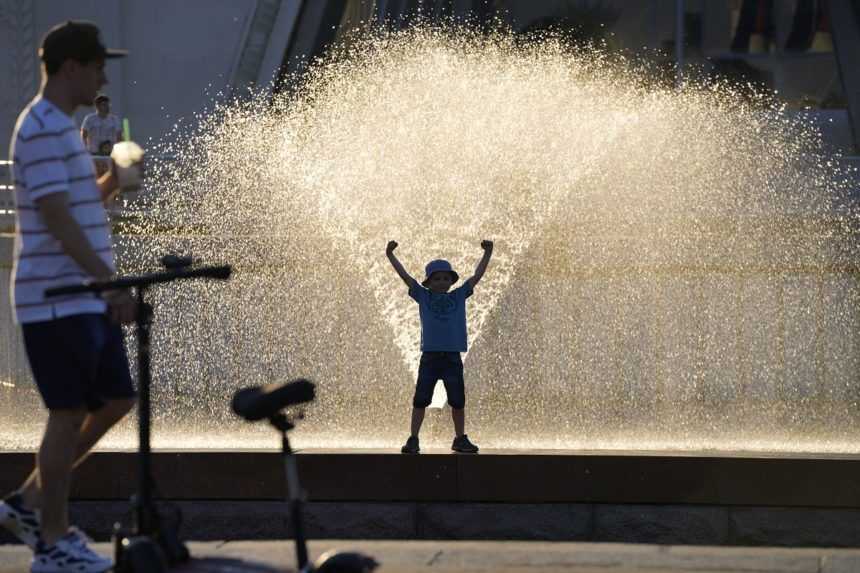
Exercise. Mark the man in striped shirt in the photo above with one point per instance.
(74, 343)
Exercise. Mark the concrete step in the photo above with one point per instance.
(647, 497)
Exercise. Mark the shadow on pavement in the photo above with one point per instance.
(226, 565)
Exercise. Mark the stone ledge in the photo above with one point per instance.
(655, 524)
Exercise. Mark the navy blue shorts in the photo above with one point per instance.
(444, 366)
(77, 361)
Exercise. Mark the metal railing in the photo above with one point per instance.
(7, 198)
(7, 193)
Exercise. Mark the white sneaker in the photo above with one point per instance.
(22, 522)
(81, 541)
(70, 554)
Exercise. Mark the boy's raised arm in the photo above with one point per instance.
(389, 252)
(482, 265)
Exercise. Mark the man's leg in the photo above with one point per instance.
(55, 458)
(94, 425)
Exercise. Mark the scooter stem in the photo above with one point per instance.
(145, 514)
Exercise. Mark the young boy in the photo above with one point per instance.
(443, 338)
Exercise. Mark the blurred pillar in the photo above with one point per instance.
(845, 27)
(315, 28)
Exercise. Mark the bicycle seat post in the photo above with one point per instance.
(294, 488)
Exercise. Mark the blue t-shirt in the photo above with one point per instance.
(443, 317)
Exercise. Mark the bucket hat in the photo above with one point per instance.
(439, 265)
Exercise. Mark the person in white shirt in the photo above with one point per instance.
(102, 129)
(74, 343)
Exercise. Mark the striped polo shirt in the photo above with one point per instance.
(48, 156)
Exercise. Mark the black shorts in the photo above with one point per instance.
(444, 366)
(77, 361)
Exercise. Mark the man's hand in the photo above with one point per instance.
(121, 306)
(128, 165)
(487, 245)
(390, 248)
(132, 179)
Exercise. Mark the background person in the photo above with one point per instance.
(74, 343)
(102, 129)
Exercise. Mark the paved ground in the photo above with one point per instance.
(504, 556)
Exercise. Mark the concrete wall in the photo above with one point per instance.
(182, 55)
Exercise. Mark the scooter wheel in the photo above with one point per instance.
(143, 555)
(344, 562)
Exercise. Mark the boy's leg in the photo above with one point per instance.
(94, 426)
(417, 420)
(459, 417)
(455, 388)
(55, 459)
(427, 378)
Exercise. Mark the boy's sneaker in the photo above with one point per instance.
(463, 445)
(411, 446)
(22, 522)
(69, 554)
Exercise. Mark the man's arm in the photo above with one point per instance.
(85, 131)
(108, 184)
(59, 221)
(404, 276)
(482, 265)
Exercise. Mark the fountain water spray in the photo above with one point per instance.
(670, 269)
